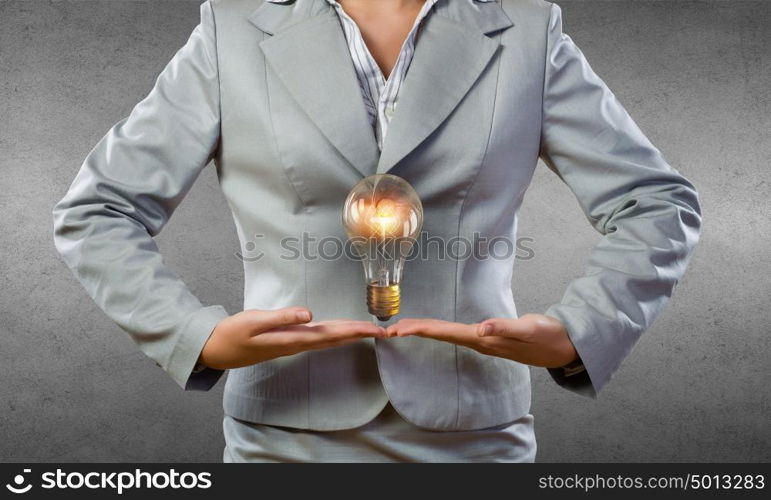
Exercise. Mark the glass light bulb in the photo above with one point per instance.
(383, 216)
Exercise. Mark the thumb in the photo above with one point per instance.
(288, 316)
(501, 327)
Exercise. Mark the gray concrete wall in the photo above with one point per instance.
(694, 75)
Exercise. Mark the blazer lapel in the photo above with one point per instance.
(451, 52)
(309, 53)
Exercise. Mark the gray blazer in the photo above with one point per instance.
(268, 92)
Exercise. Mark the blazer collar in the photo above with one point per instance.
(486, 19)
(308, 51)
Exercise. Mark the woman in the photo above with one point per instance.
(296, 101)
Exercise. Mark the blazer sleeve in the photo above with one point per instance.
(648, 214)
(124, 193)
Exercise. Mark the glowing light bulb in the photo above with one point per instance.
(383, 216)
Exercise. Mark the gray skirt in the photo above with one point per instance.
(387, 438)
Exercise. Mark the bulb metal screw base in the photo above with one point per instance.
(383, 301)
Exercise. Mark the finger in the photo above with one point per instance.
(339, 322)
(456, 333)
(288, 316)
(518, 329)
(406, 325)
(348, 329)
(311, 334)
(293, 342)
(288, 343)
(393, 329)
(437, 329)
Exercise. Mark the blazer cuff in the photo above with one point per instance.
(575, 376)
(185, 355)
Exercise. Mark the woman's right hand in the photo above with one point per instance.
(253, 336)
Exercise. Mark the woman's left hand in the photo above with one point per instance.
(533, 339)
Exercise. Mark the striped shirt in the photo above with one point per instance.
(380, 94)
